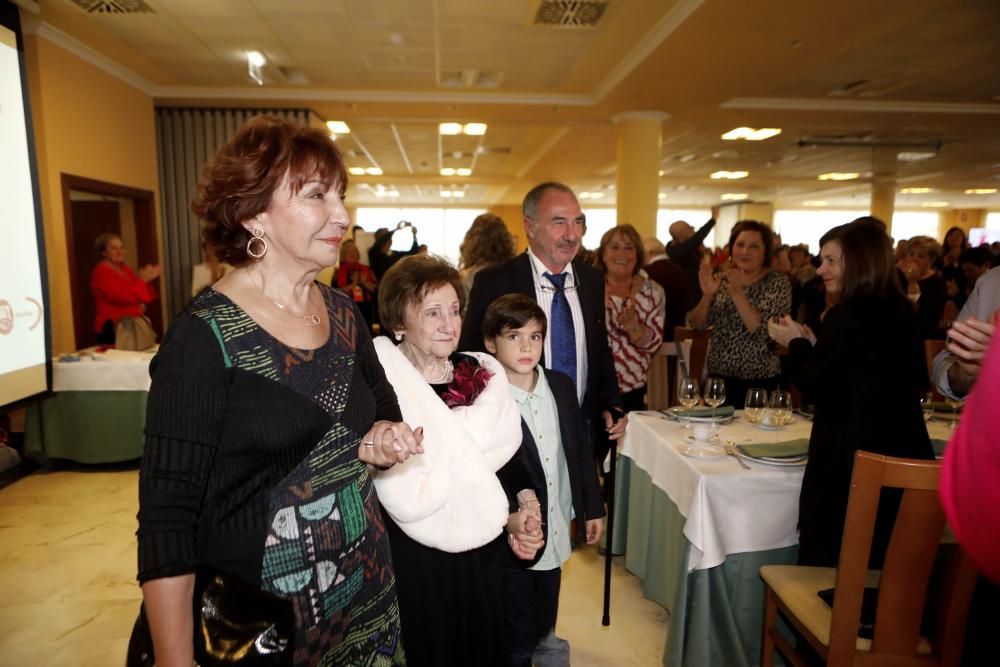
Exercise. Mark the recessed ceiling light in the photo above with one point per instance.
(662, 195)
(596, 195)
(687, 158)
(463, 171)
(661, 172)
(729, 175)
(393, 193)
(356, 171)
(446, 194)
(935, 204)
(814, 202)
(734, 196)
(751, 134)
(838, 176)
(583, 195)
(474, 129)
(980, 191)
(916, 191)
(256, 58)
(915, 156)
(447, 171)
(373, 171)
(457, 194)
(450, 128)
(338, 127)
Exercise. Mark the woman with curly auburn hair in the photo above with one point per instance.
(487, 242)
(267, 419)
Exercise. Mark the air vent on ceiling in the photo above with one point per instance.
(570, 13)
(470, 78)
(114, 6)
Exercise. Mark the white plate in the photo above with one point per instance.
(775, 462)
(690, 439)
(704, 452)
(719, 419)
(772, 427)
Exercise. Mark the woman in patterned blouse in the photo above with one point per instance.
(737, 303)
(635, 311)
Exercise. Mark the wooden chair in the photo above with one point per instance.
(791, 590)
(696, 359)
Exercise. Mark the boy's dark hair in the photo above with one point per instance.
(512, 311)
(979, 256)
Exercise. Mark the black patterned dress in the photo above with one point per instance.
(251, 468)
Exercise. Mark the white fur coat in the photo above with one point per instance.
(449, 497)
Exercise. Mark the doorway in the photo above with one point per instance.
(91, 208)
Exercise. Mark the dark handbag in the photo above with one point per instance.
(235, 624)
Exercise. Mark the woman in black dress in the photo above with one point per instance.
(267, 416)
(865, 375)
(446, 508)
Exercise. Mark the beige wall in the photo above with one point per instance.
(91, 124)
(511, 216)
(965, 218)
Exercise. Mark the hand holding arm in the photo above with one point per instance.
(388, 443)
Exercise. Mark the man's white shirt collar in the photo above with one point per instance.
(540, 269)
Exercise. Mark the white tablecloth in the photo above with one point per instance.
(113, 370)
(728, 509)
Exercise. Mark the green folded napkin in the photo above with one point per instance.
(941, 406)
(721, 411)
(790, 449)
(938, 446)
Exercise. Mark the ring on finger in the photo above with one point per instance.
(368, 443)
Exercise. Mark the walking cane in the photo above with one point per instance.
(609, 485)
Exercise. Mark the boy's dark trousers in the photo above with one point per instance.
(531, 602)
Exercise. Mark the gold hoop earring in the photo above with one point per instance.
(258, 236)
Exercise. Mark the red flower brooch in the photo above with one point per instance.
(467, 384)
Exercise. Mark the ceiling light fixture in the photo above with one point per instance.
(935, 204)
(662, 195)
(914, 156)
(447, 171)
(980, 191)
(729, 175)
(356, 171)
(474, 129)
(751, 134)
(255, 60)
(373, 171)
(449, 128)
(446, 194)
(463, 171)
(734, 196)
(838, 176)
(916, 191)
(457, 194)
(814, 202)
(338, 127)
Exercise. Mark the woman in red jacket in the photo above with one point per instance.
(118, 292)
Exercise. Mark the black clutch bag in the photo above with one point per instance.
(235, 624)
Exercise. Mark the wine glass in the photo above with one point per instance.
(688, 396)
(780, 407)
(955, 404)
(756, 405)
(715, 395)
(927, 405)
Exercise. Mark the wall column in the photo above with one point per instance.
(637, 181)
(883, 197)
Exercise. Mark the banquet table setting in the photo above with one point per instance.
(703, 498)
(97, 411)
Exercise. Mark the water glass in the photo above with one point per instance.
(756, 405)
(715, 394)
(780, 412)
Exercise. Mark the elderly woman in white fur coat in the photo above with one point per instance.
(447, 512)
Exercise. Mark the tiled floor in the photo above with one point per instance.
(68, 595)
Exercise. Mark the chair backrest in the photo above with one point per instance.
(699, 348)
(904, 578)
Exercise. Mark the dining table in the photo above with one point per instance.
(697, 530)
(96, 411)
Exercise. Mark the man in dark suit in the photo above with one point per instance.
(685, 249)
(672, 279)
(570, 293)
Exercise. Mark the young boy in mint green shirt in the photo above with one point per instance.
(557, 454)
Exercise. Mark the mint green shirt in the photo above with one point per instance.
(538, 409)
